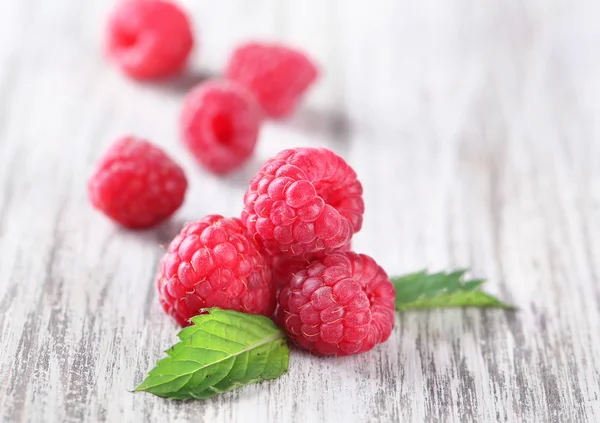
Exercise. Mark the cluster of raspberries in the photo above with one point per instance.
(289, 254)
(221, 118)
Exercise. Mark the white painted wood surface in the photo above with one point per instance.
(475, 127)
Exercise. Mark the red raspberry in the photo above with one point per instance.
(220, 124)
(340, 305)
(276, 74)
(214, 263)
(149, 39)
(137, 184)
(283, 266)
(304, 201)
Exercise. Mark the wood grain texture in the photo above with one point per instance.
(475, 127)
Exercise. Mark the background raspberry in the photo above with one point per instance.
(136, 184)
(304, 201)
(148, 39)
(340, 305)
(220, 125)
(214, 263)
(278, 75)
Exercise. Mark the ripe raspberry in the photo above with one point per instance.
(220, 124)
(137, 184)
(149, 39)
(214, 263)
(304, 201)
(340, 305)
(283, 267)
(276, 74)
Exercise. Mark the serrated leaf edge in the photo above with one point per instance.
(274, 337)
(470, 286)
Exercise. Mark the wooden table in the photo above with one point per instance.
(475, 128)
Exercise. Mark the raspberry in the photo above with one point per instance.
(137, 184)
(304, 201)
(283, 266)
(276, 74)
(340, 305)
(149, 39)
(220, 124)
(214, 263)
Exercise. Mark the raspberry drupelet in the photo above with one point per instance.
(304, 201)
(220, 124)
(278, 75)
(340, 305)
(136, 184)
(148, 39)
(214, 263)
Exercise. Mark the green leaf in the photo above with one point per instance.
(222, 350)
(425, 290)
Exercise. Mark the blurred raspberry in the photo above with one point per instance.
(214, 263)
(220, 124)
(276, 74)
(340, 305)
(304, 201)
(137, 184)
(148, 39)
